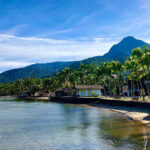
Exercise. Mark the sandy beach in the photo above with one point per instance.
(41, 98)
(139, 114)
(8, 96)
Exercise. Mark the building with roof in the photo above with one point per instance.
(63, 92)
(88, 90)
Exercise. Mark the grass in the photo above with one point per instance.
(126, 98)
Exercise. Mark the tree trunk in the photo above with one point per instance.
(138, 88)
(104, 89)
(147, 86)
(148, 80)
(132, 89)
(141, 87)
(109, 87)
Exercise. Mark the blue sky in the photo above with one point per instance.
(38, 31)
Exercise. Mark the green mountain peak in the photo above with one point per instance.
(119, 51)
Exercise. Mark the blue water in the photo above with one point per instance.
(53, 126)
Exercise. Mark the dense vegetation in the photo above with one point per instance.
(111, 75)
(35, 70)
(119, 52)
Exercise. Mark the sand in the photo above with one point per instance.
(139, 114)
(43, 98)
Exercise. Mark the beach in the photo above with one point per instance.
(134, 113)
(142, 115)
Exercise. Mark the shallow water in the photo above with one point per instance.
(53, 126)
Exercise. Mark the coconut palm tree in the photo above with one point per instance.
(116, 69)
(133, 67)
(142, 57)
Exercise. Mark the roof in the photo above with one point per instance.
(88, 87)
(63, 89)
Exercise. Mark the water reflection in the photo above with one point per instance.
(120, 132)
(75, 117)
(37, 125)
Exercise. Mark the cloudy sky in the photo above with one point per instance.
(38, 31)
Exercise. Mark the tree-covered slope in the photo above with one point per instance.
(123, 49)
(36, 70)
(119, 51)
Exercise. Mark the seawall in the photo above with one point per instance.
(87, 100)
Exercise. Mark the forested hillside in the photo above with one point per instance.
(119, 52)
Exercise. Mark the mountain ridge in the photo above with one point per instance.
(119, 51)
(37, 70)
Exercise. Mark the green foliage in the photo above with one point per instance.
(36, 70)
(111, 75)
(119, 52)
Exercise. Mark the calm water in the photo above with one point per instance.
(53, 126)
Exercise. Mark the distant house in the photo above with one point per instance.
(63, 92)
(135, 93)
(25, 94)
(89, 90)
(148, 84)
(125, 91)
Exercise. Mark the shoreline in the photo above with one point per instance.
(135, 110)
(40, 98)
(8, 96)
(132, 113)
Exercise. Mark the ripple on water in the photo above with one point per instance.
(37, 125)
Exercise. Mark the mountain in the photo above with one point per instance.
(119, 51)
(123, 49)
(36, 70)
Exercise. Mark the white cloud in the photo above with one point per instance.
(21, 51)
(6, 65)
(14, 64)
(85, 19)
(14, 30)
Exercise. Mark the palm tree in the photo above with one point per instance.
(142, 57)
(116, 69)
(146, 62)
(135, 73)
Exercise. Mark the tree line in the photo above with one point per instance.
(112, 76)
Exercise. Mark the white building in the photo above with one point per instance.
(89, 90)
